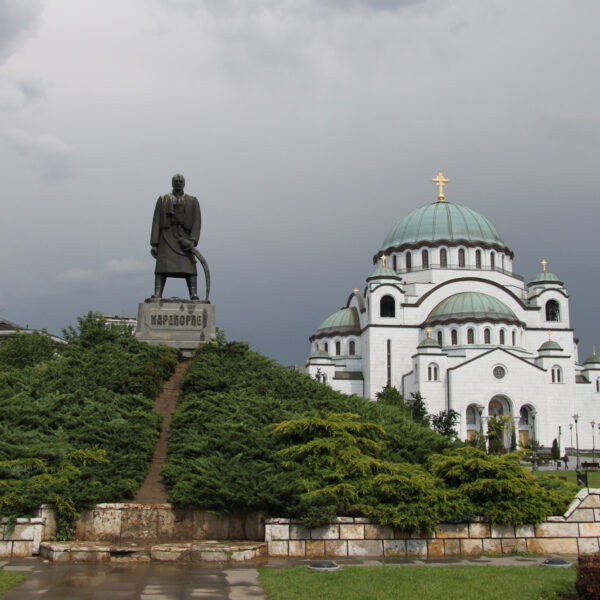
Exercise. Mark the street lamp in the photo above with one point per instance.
(479, 408)
(571, 428)
(533, 412)
(576, 418)
(593, 424)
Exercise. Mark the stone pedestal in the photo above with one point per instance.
(182, 324)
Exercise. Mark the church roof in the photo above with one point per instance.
(545, 277)
(344, 322)
(550, 345)
(593, 359)
(471, 306)
(383, 273)
(429, 342)
(442, 221)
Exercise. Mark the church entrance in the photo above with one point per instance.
(526, 425)
(500, 406)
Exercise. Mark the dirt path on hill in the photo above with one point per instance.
(153, 490)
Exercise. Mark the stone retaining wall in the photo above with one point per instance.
(576, 532)
(23, 537)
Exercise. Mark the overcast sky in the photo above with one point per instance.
(306, 128)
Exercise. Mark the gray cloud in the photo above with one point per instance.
(17, 18)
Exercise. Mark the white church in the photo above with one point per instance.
(443, 314)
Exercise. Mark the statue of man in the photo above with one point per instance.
(175, 233)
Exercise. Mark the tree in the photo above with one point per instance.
(418, 409)
(391, 396)
(27, 349)
(445, 422)
(555, 450)
(496, 426)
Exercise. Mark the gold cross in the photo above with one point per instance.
(429, 333)
(594, 350)
(383, 260)
(441, 181)
(544, 263)
(550, 335)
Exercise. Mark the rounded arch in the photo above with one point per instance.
(425, 259)
(487, 336)
(527, 414)
(470, 335)
(556, 374)
(433, 372)
(443, 258)
(552, 310)
(478, 259)
(461, 258)
(474, 420)
(352, 348)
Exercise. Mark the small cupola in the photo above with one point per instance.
(549, 346)
(545, 277)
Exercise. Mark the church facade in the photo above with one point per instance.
(444, 314)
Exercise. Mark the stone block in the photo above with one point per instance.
(139, 523)
(589, 529)
(587, 545)
(299, 532)
(503, 531)
(524, 531)
(22, 548)
(46, 512)
(552, 545)
(394, 548)
(446, 530)
(435, 549)
(399, 534)
(479, 530)
(581, 515)
(297, 548)
(365, 548)
(89, 556)
(512, 545)
(471, 547)
(344, 520)
(362, 520)
(492, 546)
(5, 549)
(353, 532)
(597, 514)
(280, 532)
(327, 532)
(315, 548)
(592, 501)
(165, 524)
(379, 532)
(452, 547)
(279, 548)
(555, 530)
(99, 524)
(23, 531)
(336, 548)
(416, 548)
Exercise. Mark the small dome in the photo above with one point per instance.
(320, 353)
(550, 345)
(545, 277)
(342, 322)
(429, 343)
(471, 306)
(593, 359)
(443, 222)
(384, 273)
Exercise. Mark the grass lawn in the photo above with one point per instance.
(8, 579)
(593, 476)
(416, 582)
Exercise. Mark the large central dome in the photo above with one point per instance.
(442, 222)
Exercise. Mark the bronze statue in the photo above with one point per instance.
(175, 234)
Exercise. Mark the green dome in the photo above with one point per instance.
(593, 359)
(320, 353)
(470, 306)
(545, 277)
(344, 322)
(383, 273)
(442, 222)
(429, 343)
(550, 345)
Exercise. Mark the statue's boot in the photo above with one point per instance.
(192, 283)
(159, 285)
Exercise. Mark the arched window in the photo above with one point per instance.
(443, 258)
(478, 259)
(514, 338)
(387, 307)
(326, 346)
(502, 259)
(394, 262)
(502, 337)
(432, 372)
(471, 415)
(338, 348)
(470, 336)
(493, 260)
(425, 259)
(408, 261)
(439, 336)
(352, 348)
(552, 311)
(556, 374)
(523, 416)
(454, 336)
(461, 257)
(598, 384)
(487, 336)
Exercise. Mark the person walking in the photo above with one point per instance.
(566, 459)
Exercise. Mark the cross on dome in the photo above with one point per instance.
(544, 263)
(441, 181)
(383, 257)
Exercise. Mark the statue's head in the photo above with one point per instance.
(178, 182)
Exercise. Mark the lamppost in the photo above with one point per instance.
(559, 434)
(593, 424)
(576, 418)
(571, 428)
(533, 412)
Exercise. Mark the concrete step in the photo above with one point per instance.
(204, 551)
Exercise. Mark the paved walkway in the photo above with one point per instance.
(160, 581)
